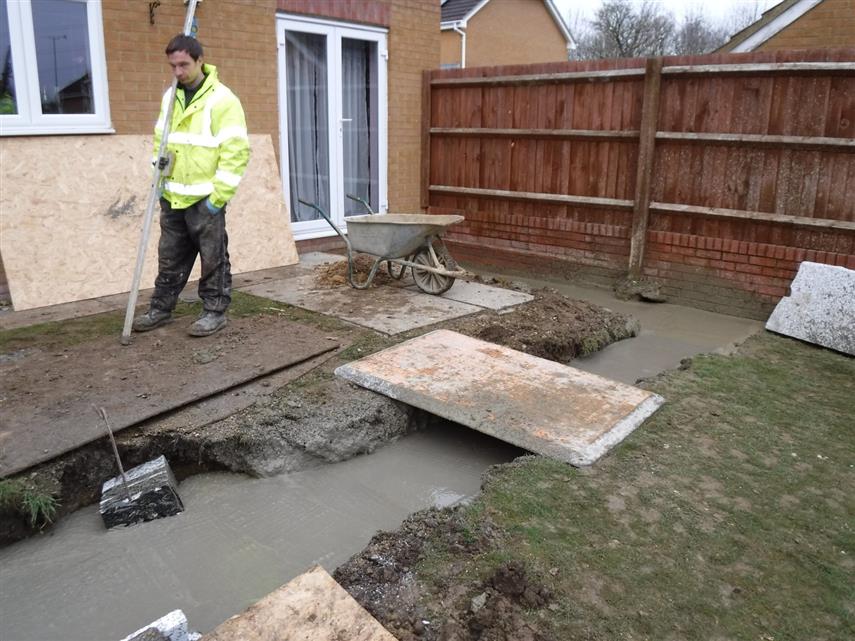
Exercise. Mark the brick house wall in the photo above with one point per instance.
(829, 24)
(508, 32)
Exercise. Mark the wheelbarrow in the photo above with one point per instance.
(400, 241)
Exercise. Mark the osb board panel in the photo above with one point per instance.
(48, 398)
(541, 405)
(311, 606)
(71, 214)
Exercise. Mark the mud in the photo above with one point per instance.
(332, 275)
(552, 326)
(303, 427)
(383, 578)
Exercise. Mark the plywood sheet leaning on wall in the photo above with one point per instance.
(71, 213)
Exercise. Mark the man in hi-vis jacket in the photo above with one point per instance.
(209, 149)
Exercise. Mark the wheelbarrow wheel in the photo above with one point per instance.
(391, 268)
(429, 282)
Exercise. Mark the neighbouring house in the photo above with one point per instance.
(337, 85)
(798, 24)
(479, 33)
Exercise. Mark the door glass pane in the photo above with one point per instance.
(62, 50)
(359, 124)
(8, 104)
(308, 123)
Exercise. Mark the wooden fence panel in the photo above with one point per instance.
(753, 168)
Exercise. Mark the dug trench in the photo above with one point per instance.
(312, 421)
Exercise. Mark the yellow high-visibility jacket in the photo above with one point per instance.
(210, 143)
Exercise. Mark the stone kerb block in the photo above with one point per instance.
(153, 494)
(170, 627)
(820, 308)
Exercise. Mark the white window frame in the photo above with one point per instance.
(335, 31)
(30, 120)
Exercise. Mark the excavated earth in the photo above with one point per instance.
(314, 420)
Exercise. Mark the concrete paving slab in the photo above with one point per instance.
(820, 308)
(488, 296)
(311, 606)
(540, 405)
(384, 309)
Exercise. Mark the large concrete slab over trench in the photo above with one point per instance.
(820, 308)
(543, 406)
(311, 606)
(389, 310)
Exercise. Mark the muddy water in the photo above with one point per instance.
(238, 539)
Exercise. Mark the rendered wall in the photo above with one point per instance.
(829, 24)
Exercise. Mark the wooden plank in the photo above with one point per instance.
(426, 132)
(788, 68)
(759, 140)
(801, 221)
(646, 145)
(587, 201)
(564, 134)
(539, 78)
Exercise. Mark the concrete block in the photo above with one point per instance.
(540, 405)
(153, 494)
(170, 627)
(820, 308)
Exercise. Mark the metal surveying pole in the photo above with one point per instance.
(155, 188)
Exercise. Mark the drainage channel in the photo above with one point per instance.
(238, 539)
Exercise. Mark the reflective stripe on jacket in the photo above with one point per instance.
(210, 143)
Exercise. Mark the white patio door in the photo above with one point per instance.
(332, 105)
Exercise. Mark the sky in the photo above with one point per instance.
(716, 10)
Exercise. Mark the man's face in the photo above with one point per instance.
(184, 67)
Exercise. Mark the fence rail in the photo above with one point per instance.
(751, 148)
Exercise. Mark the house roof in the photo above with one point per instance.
(454, 12)
(457, 10)
(771, 22)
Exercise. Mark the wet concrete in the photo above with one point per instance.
(238, 540)
(669, 333)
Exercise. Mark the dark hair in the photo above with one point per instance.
(185, 43)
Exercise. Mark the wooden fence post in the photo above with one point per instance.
(646, 146)
(426, 122)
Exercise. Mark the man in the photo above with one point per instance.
(209, 147)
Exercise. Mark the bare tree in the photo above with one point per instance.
(696, 35)
(620, 30)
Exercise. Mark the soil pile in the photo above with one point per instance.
(552, 326)
(332, 275)
(383, 579)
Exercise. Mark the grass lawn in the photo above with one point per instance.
(729, 515)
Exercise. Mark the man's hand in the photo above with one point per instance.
(212, 209)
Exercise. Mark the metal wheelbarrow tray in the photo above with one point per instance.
(401, 241)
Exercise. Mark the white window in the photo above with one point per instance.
(53, 75)
(333, 112)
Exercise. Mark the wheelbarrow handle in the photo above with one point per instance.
(337, 230)
(361, 200)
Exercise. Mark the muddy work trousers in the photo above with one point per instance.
(184, 234)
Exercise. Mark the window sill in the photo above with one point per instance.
(54, 131)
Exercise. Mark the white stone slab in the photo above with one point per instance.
(311, 607)
(540, 405)
(71, 211)
(488, 296)
(820, 308)
(170, 627)
(388, 310)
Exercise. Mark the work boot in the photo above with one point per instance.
(208, 323)
(151, 319)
